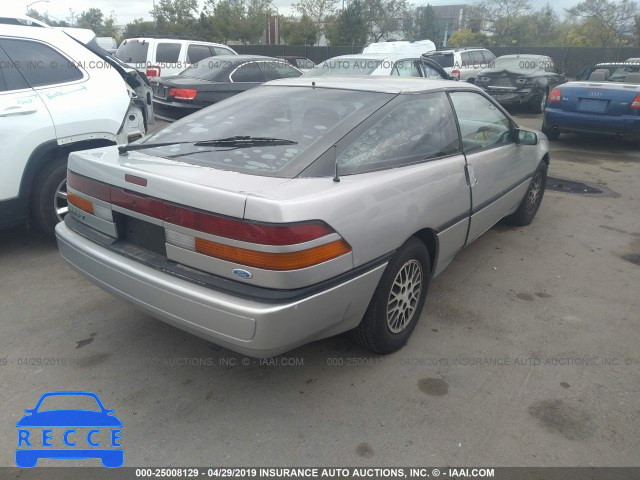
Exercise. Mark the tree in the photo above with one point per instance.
(319, 11)
(605, 22)
(350, 26)
(467, 38)
(227, 20)
(255, 21)
(175, 17)
(384, 17)
(139, 27)
(300, 32)
(503, 18)
(46, 18)
(426, 28)
(92, 19)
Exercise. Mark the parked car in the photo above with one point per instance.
(166, 56)
(59, 92)
(301, 63)
(607, 104)
(463, 63)
(212, 80)
(402, 47)
(301, 209)
(524, 80)
(108, 43)
(612, 67)
(377, 65)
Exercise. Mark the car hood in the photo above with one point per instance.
(69, 418)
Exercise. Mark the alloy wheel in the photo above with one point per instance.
(404, 296)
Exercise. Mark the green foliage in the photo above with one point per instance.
(467, 38)
(300, 32)
(350, 26)
(426, 27)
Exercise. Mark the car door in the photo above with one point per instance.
(25, 124)
(497, 170)
(245, 77)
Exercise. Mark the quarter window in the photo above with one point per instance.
(39, 64)
(222, 51)
(168, 52)
(419, 129)
(482, 124)
(274, 70)
(249, 72)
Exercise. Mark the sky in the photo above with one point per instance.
(127, 10)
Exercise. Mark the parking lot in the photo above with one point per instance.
(526, 353)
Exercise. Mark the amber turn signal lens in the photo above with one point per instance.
(270, 260)
(80, 202)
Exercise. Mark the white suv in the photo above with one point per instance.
(167, 56)
(462, 63)
(59, 93)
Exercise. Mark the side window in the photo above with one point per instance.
(275, 70)
(465, 58)
(405, 68)
(249, 72)
(195, 53)
(168, 52)
(10, 77)
(477, 59)
(222, 51)
(39, 64)
(482, 124)
(549, 66)
(418, 129)
(488, 58)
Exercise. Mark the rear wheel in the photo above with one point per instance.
(49, 196)
(537, 104)
(398, 300)
(531, 202)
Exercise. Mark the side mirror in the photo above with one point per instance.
(526, 137)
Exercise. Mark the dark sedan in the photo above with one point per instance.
(523, 80)
(214, 79)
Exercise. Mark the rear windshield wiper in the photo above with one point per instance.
(237, 141)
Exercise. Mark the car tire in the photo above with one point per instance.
(389, 321)
(49, 196)
(532, 199)
(551, 133)
(537, 103)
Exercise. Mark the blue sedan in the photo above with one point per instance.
(607, 103)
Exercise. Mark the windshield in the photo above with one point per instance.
(314, 118)
(518, 63)
(133, 51)
(346, 66)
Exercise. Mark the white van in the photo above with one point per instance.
(167, 56)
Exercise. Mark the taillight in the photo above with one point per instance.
(456, 73)
(183, 93)
(636, 102)
(554, 96)
(79, 202)
(252, 232)
(153, 71)
(88, 186)
(270, 260)
(138, 203)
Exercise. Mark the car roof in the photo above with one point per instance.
(522, 55)
(372, 83)
(174, 39)
(374, 56)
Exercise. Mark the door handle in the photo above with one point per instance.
(472, 180)
(18, 110)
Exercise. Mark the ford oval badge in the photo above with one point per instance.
(243, 274)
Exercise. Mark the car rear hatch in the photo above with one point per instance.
(183, 218)
(600, 98)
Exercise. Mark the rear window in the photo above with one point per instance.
(168, 52)
(445, 60)
(315, 118)
(212, 69)
(133, 51)
(346, 66)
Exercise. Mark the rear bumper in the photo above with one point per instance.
(627, 126)
(250, 327)
(171, 111)
(519, 97)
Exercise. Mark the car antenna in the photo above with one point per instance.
(336, 178)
